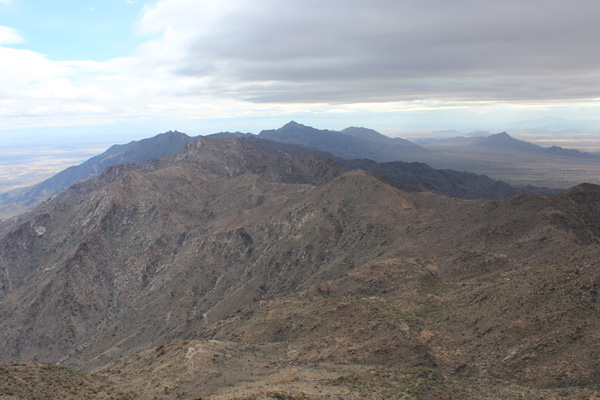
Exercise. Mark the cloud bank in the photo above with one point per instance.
(381, 50)
(224, 58)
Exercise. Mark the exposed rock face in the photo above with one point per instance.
(126, 238)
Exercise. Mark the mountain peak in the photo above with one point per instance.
(499, 137)
(174, 133)
(291, 124)
(171, 136)
(504, 141)
(360, 131)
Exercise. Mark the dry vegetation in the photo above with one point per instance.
(49, 382)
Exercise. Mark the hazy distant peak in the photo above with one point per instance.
(361, 132)
(503, 140)
(294, 127)
(502, 137)
(479, 133)
(173, 134)
(350, 143)
(358, 129)
(293, 124)
(374, 137)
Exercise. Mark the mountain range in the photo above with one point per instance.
(504, 142)
(498, 156)
(350, 143)
(229, 270)
(343, 146)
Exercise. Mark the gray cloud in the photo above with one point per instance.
(389, 50)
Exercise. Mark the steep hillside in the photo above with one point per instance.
(136, 152)
(126, 245)
(419, 177)
(513, 314)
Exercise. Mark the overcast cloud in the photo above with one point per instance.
(226, 59)
(381, 50)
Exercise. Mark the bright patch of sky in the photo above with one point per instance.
(133, 68)
(63, 30)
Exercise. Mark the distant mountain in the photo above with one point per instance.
(136, 152)
(500, 142)
(517, 162)
(413, 177)
(351, 143)
(503, 141)
(372, 136)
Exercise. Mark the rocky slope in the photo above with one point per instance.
(48, 382)
(126, 245)
(230, 271)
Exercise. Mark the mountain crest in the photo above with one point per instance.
(350, 143)
(503, 140)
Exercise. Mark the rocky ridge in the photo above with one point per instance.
(137, 152)
(317, 277)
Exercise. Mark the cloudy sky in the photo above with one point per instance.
(136, 68)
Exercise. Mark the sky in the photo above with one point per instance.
(128, 69)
